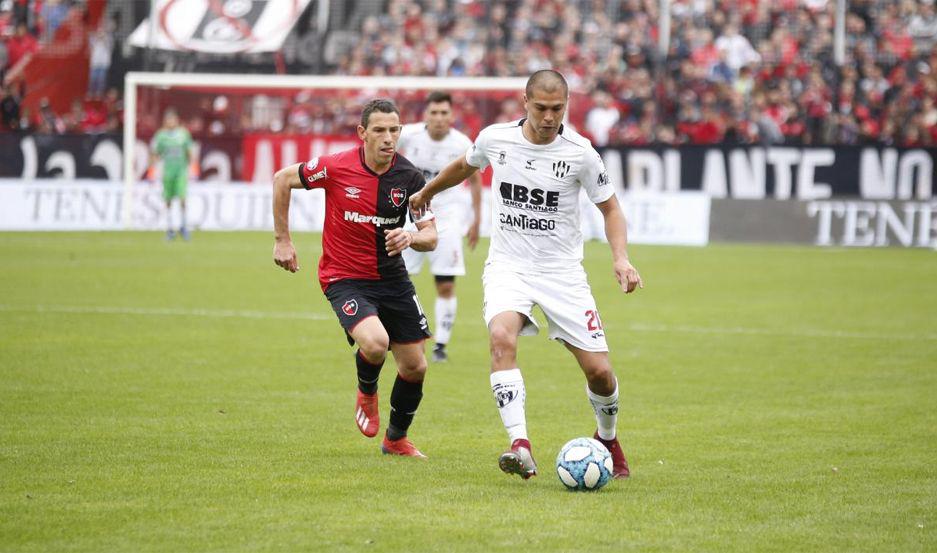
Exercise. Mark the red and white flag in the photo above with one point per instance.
(220, 26)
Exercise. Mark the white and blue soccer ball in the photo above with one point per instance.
(584, 464)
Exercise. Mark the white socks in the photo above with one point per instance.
(445, 318)
(510, 395)
(606, 411)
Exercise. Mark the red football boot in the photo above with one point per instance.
(619, 463)
(367, 416)
(518, 460)
(403, 447)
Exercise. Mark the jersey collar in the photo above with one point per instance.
(521, 124)
(368, 169)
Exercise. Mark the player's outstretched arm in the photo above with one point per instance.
(423, 240)
(616, 230)
(451, 175)
(284, 181)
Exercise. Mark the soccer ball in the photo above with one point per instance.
(584, 464)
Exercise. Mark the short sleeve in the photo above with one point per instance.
(594, 178)
(477, 155)
(315, 172)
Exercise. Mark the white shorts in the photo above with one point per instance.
(565, 299)
(445, 260)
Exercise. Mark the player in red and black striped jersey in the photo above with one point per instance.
(361, 270)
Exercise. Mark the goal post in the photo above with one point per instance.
(146, 94)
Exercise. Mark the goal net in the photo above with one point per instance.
(245, 127)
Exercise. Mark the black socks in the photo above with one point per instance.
(367, 374)
(404, 400)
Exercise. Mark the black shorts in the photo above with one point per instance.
(393, 301)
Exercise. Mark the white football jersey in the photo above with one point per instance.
(535, 195)
(431, 157)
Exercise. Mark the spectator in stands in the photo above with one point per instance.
(100, 46)
(53, 14)
(7, 22)
(601, 118)
(738, 50)
(10, 109)
(47, 122)
(75, 120)
(720, 72)
(7, 27)
(4, 58)
(923, 26)
(21, 45)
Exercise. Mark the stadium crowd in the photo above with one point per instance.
(25, 27)
(26, 24)
(737, 71)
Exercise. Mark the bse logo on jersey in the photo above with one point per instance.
(398, 196)
(531, 199)
(350, 307)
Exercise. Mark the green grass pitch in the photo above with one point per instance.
(194, 397)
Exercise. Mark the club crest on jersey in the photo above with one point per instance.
(561, 169)
(352, 192)
(350, 307)
(398, 196)
(501, 155)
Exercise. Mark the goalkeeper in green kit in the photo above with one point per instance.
(173, 145)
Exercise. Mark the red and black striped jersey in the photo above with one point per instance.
(359, 206)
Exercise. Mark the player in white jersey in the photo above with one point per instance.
(430, 146)
(535, 258)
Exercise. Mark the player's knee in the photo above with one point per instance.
(503, 342)
(600, 375)
(414, 371)
(374, 348)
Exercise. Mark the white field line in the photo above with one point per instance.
(634, 327)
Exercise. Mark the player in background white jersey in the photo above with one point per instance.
(535, 256)
(430, 146)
